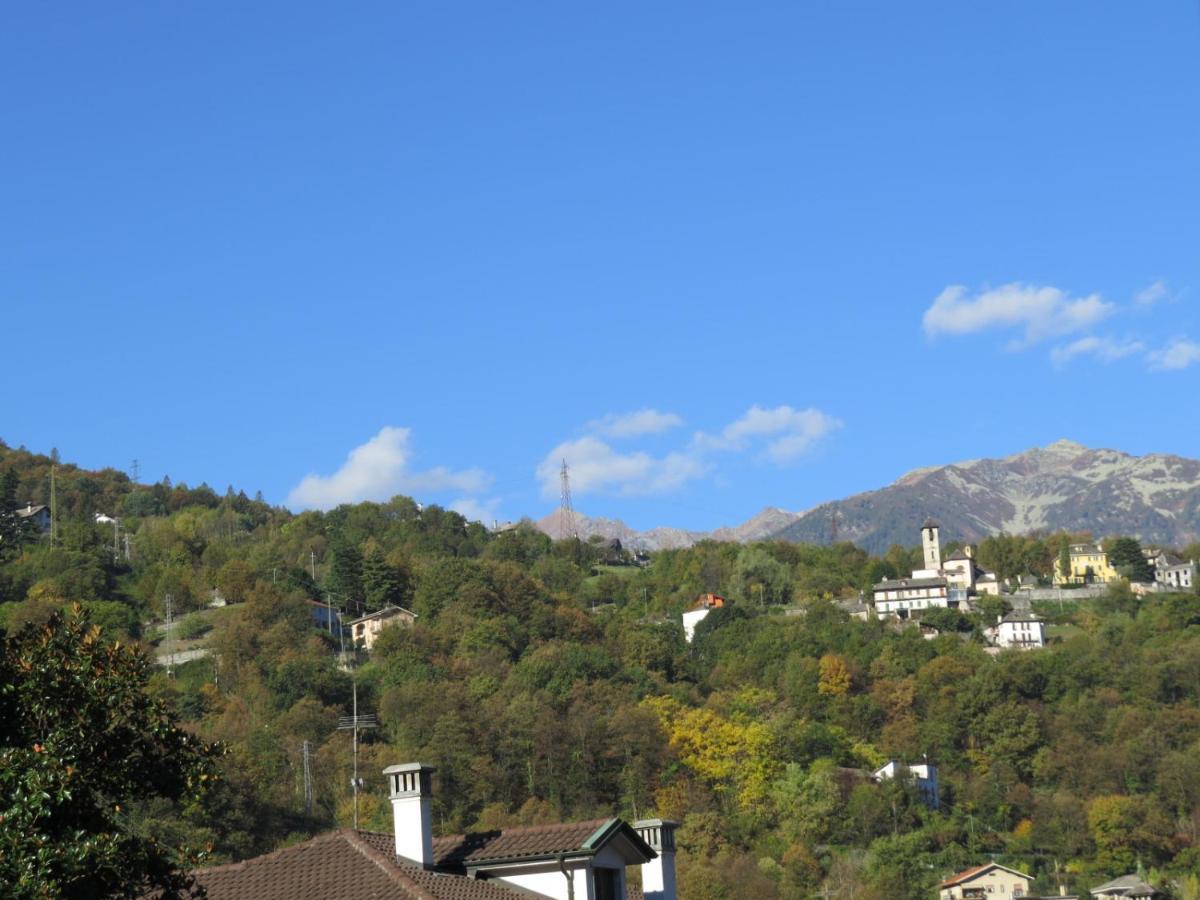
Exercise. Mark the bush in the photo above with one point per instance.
(192, 626)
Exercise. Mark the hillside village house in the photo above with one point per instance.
(37, 516)
(1125, 886)
(1018, 630)
(923, 775)
(701, 608)
(944, 585)
(987, 882)
(571, 861)
(1172, 573)
(1089, 565)
(365, 630)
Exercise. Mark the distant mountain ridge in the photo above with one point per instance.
(1063, 486)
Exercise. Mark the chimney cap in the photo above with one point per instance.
(658, 833)
(409, 767)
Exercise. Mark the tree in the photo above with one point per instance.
(14, 531)
(758, 576)
(383, 584)
(346, 571)
(835, 675)
(1125, 555)
(81, 742)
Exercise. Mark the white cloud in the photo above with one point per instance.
(790, 433)
(595, 467)
(782, 433)
(1151, 294)
(1040, 312)
(635, 424)
(378, 470)
(1103, 348)
(1179, 354)
(477, 510)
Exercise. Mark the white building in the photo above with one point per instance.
(700, 609)
(923, 775)
(365, 630)
(903, 596)
(1017, 630)
(944, 585)
(1172, 573)
(991, 881)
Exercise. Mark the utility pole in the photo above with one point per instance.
(312, 555)
(135, 471)
(53, 507)
(169, 603)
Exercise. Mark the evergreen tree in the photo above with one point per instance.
(1125, 555)
(346, 574)
(382, 584)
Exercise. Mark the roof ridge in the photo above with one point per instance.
(391, 868)
(524, 829)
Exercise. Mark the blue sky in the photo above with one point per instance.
(718, 255)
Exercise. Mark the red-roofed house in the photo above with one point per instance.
(991, 881)
(571, 861)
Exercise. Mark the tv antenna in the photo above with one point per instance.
(352, 723)
(306, 749)
(566, 514)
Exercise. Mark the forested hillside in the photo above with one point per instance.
(551, 680)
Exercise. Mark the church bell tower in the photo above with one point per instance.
(931, 545)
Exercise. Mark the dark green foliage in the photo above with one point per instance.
(1125, 555)
(384, 584)
(80, 744)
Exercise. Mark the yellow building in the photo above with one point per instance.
(1089, 565)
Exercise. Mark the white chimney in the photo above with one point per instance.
(658, 875)
(410, 786)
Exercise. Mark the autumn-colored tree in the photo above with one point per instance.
(835, 676)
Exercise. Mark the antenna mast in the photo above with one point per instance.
(353, 723)
(566, 514)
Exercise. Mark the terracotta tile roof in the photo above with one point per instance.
(964, 876)
(341, 864)
(978, 870)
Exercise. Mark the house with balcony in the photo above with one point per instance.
(991, 881)
(365, 629)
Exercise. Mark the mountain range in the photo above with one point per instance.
(1063, 486)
